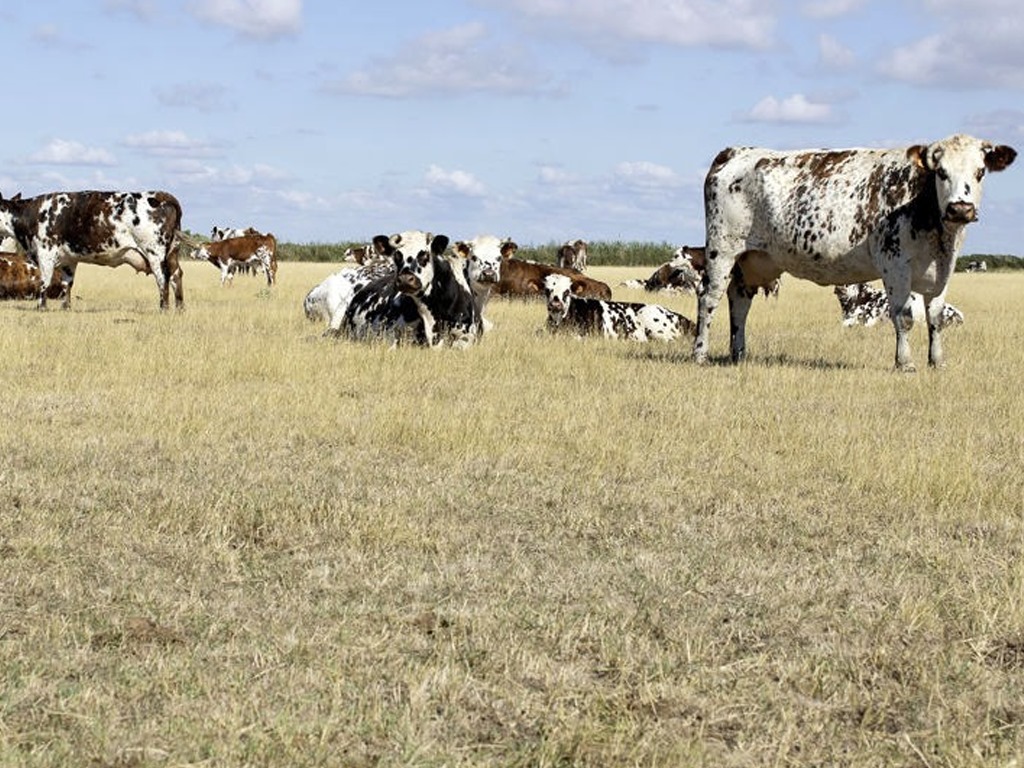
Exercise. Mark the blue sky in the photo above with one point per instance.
(536, 119)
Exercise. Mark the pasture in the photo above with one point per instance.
(226, 540)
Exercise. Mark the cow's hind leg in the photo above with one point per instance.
(718, 266)
(740, 299)
(934, 309)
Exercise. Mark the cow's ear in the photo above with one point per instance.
(508, 248)
(382, 245)
(918, 155)
(461, 249)
(999, 157)
(438, 244)
(697, 256)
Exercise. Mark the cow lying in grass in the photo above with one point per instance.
(426, 298)
(611, 319)
(863, 304)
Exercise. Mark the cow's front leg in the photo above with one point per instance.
(902, 314)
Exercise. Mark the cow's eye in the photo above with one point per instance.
(423, 258)
(942, 174)
(980, 174)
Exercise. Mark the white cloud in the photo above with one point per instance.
(62, 152)
(168, 143)
(834, 55)
(459, 182)
(646, 175)
(141, 9)
(977, 45)
(726, 23)
(203, 97)
(792, 109)
(829, 9)
(460, 59)
(260, 19)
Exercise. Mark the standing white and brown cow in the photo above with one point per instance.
(838, 217)
(64, 229)
(611, 319)
(573, 255)
(255, 250)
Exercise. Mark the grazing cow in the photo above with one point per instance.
(612, 319)
(330, 299)
(426, 296)
(573, 255)
(64, 229)
(19, 279)
(255, 250)
(842, 216)
(526, 278)
(484, 256)
(863, 304)
(976, 266)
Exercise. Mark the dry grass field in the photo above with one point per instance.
(226, 540)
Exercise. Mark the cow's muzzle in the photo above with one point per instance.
(961, 213)
(407, 282)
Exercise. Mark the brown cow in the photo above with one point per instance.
(19, 279)
(573, 255)
(227, 255)
(526, 279)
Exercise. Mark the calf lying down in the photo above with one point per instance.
(611, 319)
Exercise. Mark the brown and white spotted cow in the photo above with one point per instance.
(573, 255)
(525, 279)
(227, 255)
(863, 304)
(64, 229)
(838, 217)
(611, 319)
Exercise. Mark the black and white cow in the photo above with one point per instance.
(863, 304)
(838, 217)
(611, 319)
(426, 298)
(329, 299)
(64, 229)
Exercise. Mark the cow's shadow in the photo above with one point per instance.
(650, 353)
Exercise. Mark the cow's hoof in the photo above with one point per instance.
(906, 368)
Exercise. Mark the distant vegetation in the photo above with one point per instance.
(613, 253)
(603, 254)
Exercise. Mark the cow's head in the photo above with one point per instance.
(483, 257)
(558, 289)
(413, 255)
(959, 164)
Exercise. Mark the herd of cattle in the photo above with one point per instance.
(836, 217)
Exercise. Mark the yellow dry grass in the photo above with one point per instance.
(226, 540)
